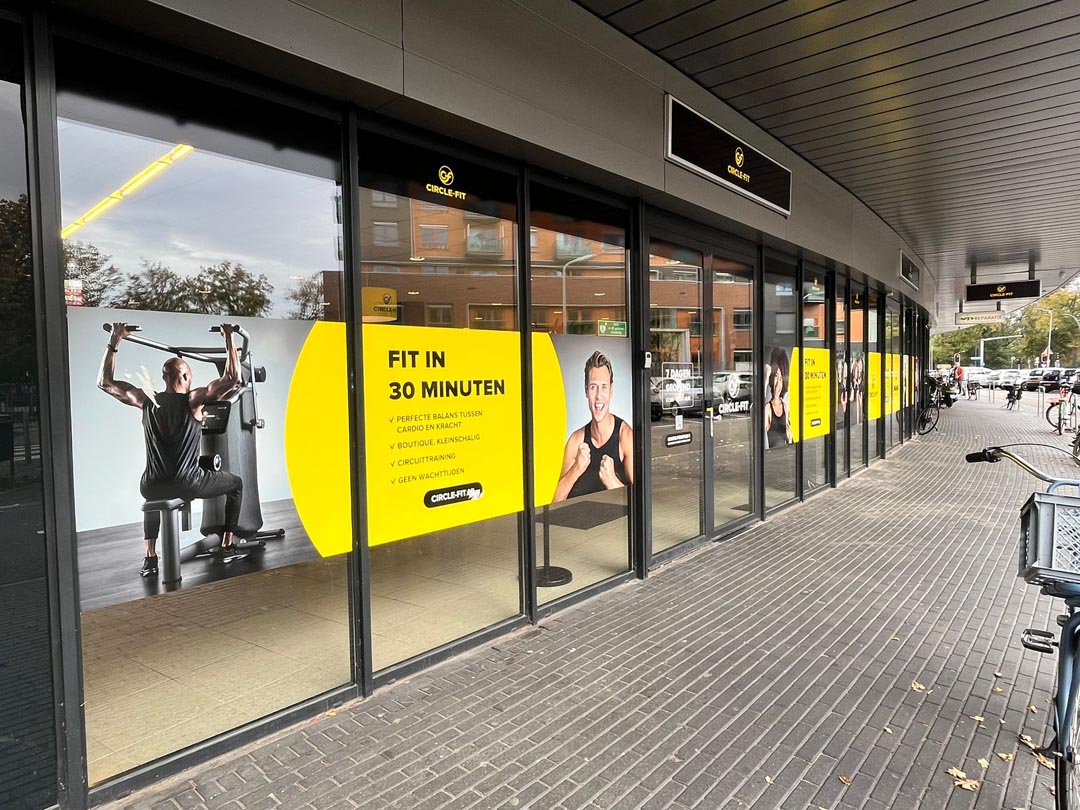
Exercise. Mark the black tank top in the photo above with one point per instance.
(778, 427)
(590, 479)
(172, 436)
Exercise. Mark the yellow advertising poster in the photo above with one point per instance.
(873, 385)
(892, 380)
(443, 428)
(813, 391)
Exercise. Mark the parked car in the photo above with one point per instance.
(976, 374)
(1051, 379)
(1034, 377)
(1007, 378)
(669, 395)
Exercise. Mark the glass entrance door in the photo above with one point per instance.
(702, 387)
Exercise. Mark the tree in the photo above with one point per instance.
(158, 288)
(307, 298)
(230, 289)
(101, 284)
(17, 313)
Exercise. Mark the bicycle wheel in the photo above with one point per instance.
(1071, 420)
(1066, 776)
(926, 420)
(1053, 416)
(1076, 449)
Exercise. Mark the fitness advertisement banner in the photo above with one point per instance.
(873, 385)
(442, 413)
(261, 446)
(780, 429)
(816, 383)
(892, 379)
(582, 415)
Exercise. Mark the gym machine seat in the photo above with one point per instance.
(172, 510)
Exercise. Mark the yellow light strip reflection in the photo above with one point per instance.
(130, 187)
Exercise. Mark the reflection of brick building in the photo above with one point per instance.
(451, 267)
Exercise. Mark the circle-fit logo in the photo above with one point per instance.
(740, 158)
(446, 175)
(1001, 288)
(387, 298)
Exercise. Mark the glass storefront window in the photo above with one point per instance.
(676, 393)
(780, 341)
(442, 397)
(815, 382)
(210, 417)
(875, 376)
(734, 382)
(842, 379)
(28, 740)
(893, 373)
(857, 403)
(582, 391)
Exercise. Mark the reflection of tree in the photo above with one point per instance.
(229, 289)
(307, 298)
(158, 288)
(100, 283)
(221, 289)
(16, 292)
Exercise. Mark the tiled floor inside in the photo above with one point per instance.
(168, 671)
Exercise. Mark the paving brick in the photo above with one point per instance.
(784, 651)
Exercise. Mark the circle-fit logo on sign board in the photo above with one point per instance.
(1001, 288)
(740, 158)
(446, 175)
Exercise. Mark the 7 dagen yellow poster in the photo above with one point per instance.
(892, 380)
(814, 391)
(873, 385)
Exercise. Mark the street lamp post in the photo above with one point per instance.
(563, 274)
(1049, 336)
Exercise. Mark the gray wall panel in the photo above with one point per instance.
(541, 79)
(502, 45)
(279, 38)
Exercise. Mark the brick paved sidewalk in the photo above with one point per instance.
(755, 673)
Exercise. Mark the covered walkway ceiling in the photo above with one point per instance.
(957, 121)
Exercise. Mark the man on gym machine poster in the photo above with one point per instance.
(172, 429)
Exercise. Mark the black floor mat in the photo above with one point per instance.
(585, 514)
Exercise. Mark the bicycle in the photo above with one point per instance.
(1012, 397)
(1049, 537)
(1062, 411)
(927, 418)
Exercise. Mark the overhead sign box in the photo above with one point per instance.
(1004, 291)
(969, 318)
(696, 143)
(909, 271)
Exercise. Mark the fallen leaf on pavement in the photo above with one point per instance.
(967, 784)
(978, 718)
(1033, 709)
(768, 779)
(999, 674)
(1009, 757)
(918, 687)
(997, 690)
(846, 780)
(985, 763)
(888, 730)
(959, 774)
(1026, 740)
(1046, 763)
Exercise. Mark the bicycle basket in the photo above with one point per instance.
(1050, 539)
